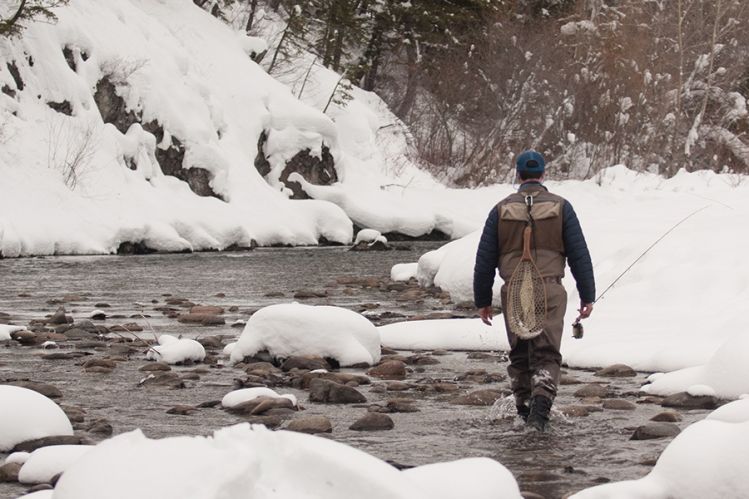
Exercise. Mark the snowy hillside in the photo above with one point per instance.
(148, 123)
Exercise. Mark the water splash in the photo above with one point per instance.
(503, 408)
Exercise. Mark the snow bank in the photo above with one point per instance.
(246, 461)
(679, 304)
(294, 329)
(43, 464)
(174, 350)
(237, 397)
(27, 415)
(733, 412)
(725, 375)
(477, 478)
(708, 459)
(173, 64)
(447, 334)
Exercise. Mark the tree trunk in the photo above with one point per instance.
(253, 9)
(409, 97)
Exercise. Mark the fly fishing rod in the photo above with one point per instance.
(577, 327)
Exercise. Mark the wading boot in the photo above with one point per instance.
(539, 413)
(523, 412)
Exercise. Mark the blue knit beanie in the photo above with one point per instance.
(530, 162)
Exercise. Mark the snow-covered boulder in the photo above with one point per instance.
(44, 463)
(477, 478)
(294, 329)
(244, 462)
(726, 374)
(369, 236)
(444, 334)
(27, 415)
(403, 271)
(733, 412)
(707, 459)
(237, 397)
(174, 350)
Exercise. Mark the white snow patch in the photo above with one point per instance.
(44, 463)
(369, 236)
(477, 478)
(707, 459)
(733, 412)
(229, 347)
(403, 271)
(175, 351)
(236, 397)
(5, 331)
(294, 329)
(17, 457)
(27, 415)
(445, 334)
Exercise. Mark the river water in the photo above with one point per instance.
(578, 453)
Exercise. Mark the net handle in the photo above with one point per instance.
(527, 244)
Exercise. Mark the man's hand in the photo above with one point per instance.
(585, 310)
(486, 315)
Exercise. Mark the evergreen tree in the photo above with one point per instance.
(15, 15)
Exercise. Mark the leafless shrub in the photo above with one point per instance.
(70, 150)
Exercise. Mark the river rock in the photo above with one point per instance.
(329, 392)
(9, 472)
(106, 363)
(667, 417)
(654, 430)
(25, 337)
(202, 319)
(206, 309)
(421, 360)
(155, 366)
(397, 386)
(686, 401)
(75, 414)
(261, 405)
(390, 369)
(64, 355)
(100, 427)
(591, 390)
(38, 443)
(168, 379)
(395, 405)
(59, 317)
(617, 371)
(132, 327)
(306, 294)
(373, 421)
(478, 398)
(566, 379)
(76, 333)
(307, 363)
(619, 405)
(182, 410)
(311, 425)
(43, 388)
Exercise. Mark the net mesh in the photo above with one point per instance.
(526, 300)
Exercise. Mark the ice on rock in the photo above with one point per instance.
(292, 329)
(27, 415)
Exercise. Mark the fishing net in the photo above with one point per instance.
(526, 295)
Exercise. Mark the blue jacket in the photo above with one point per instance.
(578, 256)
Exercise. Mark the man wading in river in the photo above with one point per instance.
(556, 236)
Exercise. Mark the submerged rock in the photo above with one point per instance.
(617, 371)
(479, 398)
(390, 369)
(667, 417)
(330, 392)
(686, 401)
(373, 421)
(650, 431)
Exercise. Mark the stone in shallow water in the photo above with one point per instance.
(578, 411)
(478, 398)
(686, 401)
(43, 388)
(654, 430)
(390, 369)
(667, 417)
(421, 360)
(100, 427)
(155, 366)
(592, 390)
(9, 472)
(311, 425)
(301, 362)
(325, 391)
(616, 371)
(619, 405)
(373, 421)
(181, 410)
